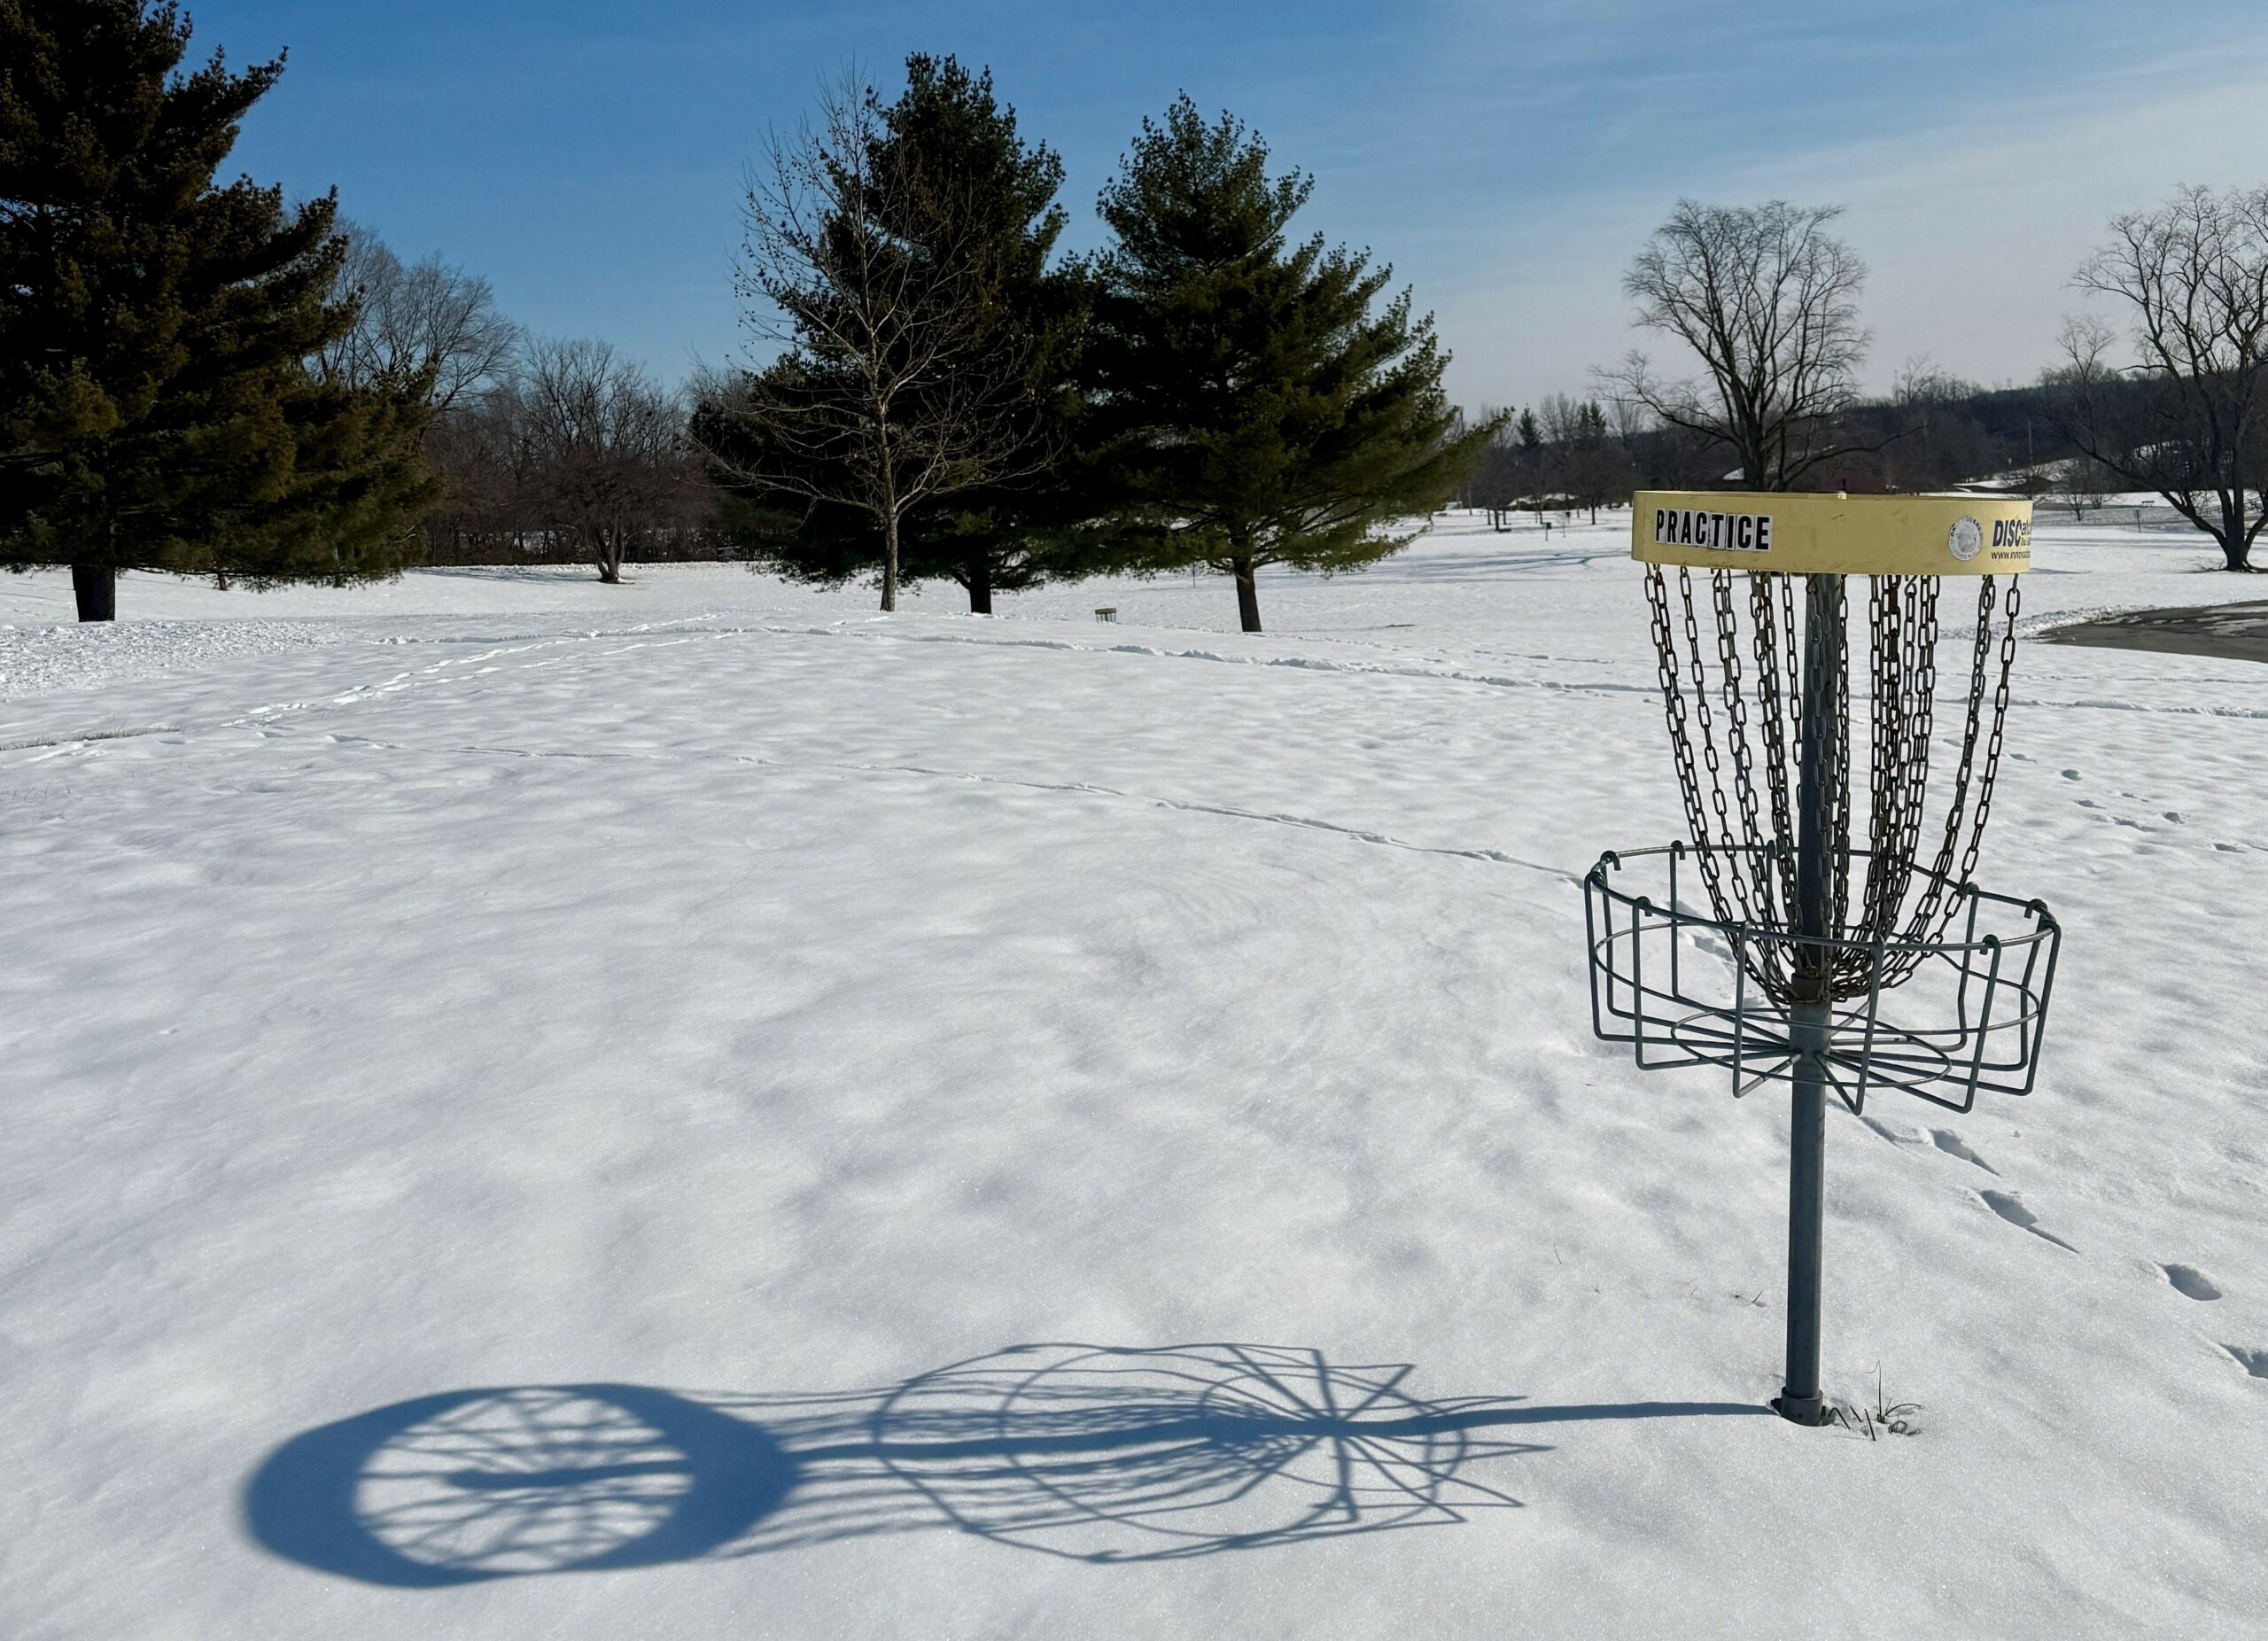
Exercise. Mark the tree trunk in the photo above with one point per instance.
(889, 562)
(979, 584)
(2236, 548)
(96, 587)
(1248, 593)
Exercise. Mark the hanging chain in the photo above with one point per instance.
(1839, 877)
(1756, 865)
(1719, 852)
(1999, 725)
(1934, 907)
(1680, 741)
(1744, 840)
(1783, 823)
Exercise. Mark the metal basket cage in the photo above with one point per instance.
(1683, 987)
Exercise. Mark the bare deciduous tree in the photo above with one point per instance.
(1578, 461)
(893, 385)
(1934, 438)
(2189, 419)
(1921, 383)
(1561, 418)
(1767, 300)
(429, 318)
(1599, 468)
(2082, 484)
(602, 450)
(484, 467)
(1628, 420)
(1495, 485)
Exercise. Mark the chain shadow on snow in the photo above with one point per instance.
(1086, 1452)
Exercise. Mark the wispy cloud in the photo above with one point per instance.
(1507, 156)
(1975, 181)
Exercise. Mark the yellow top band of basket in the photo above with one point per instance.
(1832, 534)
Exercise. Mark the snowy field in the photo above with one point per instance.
(694, 1110)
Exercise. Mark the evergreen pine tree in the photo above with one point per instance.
(1599, 470)
(986, 205)
(1011, 534)
(1534, 463)
(158, 405)
(1254, 408)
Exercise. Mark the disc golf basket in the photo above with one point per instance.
(1808, 934)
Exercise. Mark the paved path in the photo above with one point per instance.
(2232, 631)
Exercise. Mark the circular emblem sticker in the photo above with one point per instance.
(1968, 539)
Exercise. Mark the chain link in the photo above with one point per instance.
(1744, 837)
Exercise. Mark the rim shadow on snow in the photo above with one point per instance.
(1082, 1452)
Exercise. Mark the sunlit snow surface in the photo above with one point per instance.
(537, 1109)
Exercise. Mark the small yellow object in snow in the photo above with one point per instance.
(1832, 534)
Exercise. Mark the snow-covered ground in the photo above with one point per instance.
(692, 1109)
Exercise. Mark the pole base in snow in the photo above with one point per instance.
(1809, 1410)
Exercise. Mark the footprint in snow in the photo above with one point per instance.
(2011, 1207)
(1953, 1145)
(2191, 1282)
(1888, 1133)
(2253, 1362)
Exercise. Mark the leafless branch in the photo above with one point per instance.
(1767, 300)
(895, 381)
(428, 319)
(2189, 417)
(600, 450)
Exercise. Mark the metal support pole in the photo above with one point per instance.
(1800, 1399)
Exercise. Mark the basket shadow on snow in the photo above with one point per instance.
(1094, 1454)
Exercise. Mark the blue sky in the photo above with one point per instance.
(1506, 157)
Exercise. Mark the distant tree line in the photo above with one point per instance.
(1766, 302)
(541, 451)
(1933, 431)
(574, 454)
(199, 379)
(1558, 455)
(196, 378)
